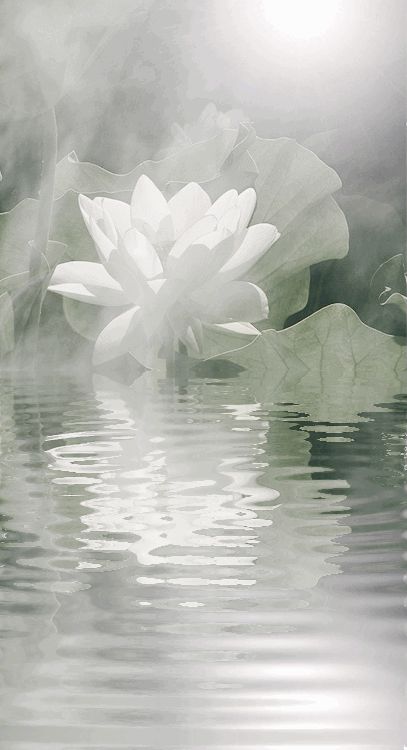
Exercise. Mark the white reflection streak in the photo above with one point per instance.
(173, 483)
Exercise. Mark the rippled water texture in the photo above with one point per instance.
(183, 567)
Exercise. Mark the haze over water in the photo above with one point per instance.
(184, 567)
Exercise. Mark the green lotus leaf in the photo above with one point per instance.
(199, 162)
(330, 360)
(294, 192)
(388, 301)
(390, 278)
(397, 299)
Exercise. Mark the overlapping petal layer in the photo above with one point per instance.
(175, 265)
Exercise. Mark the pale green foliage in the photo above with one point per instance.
(389, 282)
(331, 352)
(400, 300)
(330, 358)
(294, 190)
(200, 162)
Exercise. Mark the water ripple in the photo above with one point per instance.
(189, 564)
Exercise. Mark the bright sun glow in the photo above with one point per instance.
(302, 19)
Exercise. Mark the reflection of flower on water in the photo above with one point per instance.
(163, 487)
(176, 481)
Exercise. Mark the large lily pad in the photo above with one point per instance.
(330, 359)
(199, 162)
(399, 300)
(388, 289)
(294, 189)
(389, 283)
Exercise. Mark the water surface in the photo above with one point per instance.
(185, 567)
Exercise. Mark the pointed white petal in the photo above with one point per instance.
(101, 288)
(166, 292)
(230, 220)
(92, 213)
(233, 301)
(257, 241)
(201, 261)
(187, 329)
(89, 209)
(119, 336)
(82, 271)
(213, 239)
(104, 245)
(192, 336)
(76, 291)
(246, 202)
(107, 225)
(223, 204)
(148, 203)
(188, 206)
(140, 254)
(119, 212)
(165, 232)
(200, 229)
(127, 276)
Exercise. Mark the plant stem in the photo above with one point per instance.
(33, 296)
(46, 192)
(28, 301)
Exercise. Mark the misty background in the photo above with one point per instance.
(120, 75)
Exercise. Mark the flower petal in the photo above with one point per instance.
(89, 209)
(75, 291)
(233, 301)
(83, 271)
(230, 220)
(223, 204)
(123, 334)
(202, 260)
(119, 212)
(148, 205)
(187, 329)
(188, 206)
(90, 281)
(99, 224)
(192, 336)
(257, 240)
(246, 202)
(201, 228)
(140, 254)
(104, 244)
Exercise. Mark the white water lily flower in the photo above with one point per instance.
(209, 123)
(171, 266)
